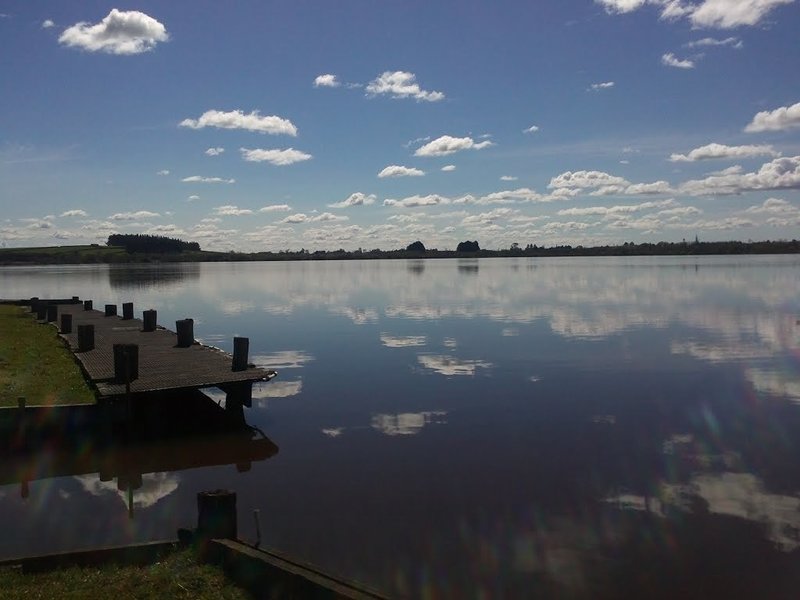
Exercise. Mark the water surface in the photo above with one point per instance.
(478, 428)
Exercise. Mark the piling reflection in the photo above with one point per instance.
(127, 440)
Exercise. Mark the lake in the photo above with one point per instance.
(477, 428)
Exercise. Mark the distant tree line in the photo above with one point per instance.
(155, 244)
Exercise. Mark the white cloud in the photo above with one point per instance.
(215, 151)
(401, 84)
(48, 23)
(506, 197)
(412, 201)
(785, 117)
(712, 151)
(585, 179)
(355, 199)
(229, 210)
(120, 32)
(670, 60)
(508, 178)
(531, 129)
(75, 212)
(192, 198)
(201, 179)
(774, 206)
(705, 42)
(327, 80)
(613, 210)
(321, 218)
(722, 14)
(133, 216)
(448, 168)
(274, 208)
(601, 86)
(400, 171)
(276, 157)
(781, 173)
(236, 119)
(657, 187)
(446, 144)
(726, 14)
(163, 172)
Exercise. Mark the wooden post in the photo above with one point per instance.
(241, 347)
(126, 362)
(216, 514)
(66, 323)
(185, 329)
(87, 305)
(85, 338)
(52, 312)
(76, 300)
(149, 320)
(111, 310)
(127, 310)
(34, 303)
(41, 311)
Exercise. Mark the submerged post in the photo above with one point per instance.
(241, 347)
(126, 362)
(85, 338)
(66, 323)
(52, 313)
(185, 330)
(87, 305)
(216, 514)
(111, 310)
(127, 311)
(149, 320)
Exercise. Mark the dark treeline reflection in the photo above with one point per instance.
(136, 276)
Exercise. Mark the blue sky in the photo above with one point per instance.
(324, 125)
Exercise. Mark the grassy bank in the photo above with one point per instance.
(178, 575)
(35, 365)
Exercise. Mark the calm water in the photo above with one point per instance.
(478, 428)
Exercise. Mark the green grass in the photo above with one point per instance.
(178, 575)
(34, 364)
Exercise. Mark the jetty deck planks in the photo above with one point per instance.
(162, 364)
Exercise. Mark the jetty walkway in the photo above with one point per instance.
(123, 354)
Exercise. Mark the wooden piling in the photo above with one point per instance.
(66, 323)
(41, 311)
(216, 514)
(111, 310)
(52, 312)
(127, 311)
(85, 338)
(87, 305)
(185, 330)
(149, 320)
(241, 348)
(34, 303)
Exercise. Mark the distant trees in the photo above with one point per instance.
(416, 247)
(157, 244)
(468, 247)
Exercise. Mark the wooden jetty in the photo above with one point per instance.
(121, 354)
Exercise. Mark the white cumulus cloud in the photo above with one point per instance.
(215, 151)
(531, 129)
(401, 84)
(670, 60)
(201, 179)
(412, 201)
(284, 157)
(327, 80)
(229, 210)
(355, 199)
(48, 23)
(274, 208)
(75, 212)
(448, 168)
(163, 172)
(713, 150)
(120, 32)
(400, 171)
(236, 119)
(447, 144)
(133, 216)
(721, 14)
(785, 117)
(780, 173)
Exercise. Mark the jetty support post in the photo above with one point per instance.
(52, 313)
(111, 310)
(126, 364)
(127, 311)
(85, 337)
(66, 323)
(87, 305)
(34, 303)
(185, 330)
(216, 515)
(241, 349)
(41, 310)
(149, 320)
